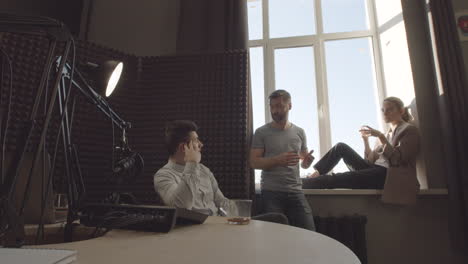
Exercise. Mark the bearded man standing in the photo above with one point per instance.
(277, 148)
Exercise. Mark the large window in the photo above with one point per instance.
(336, 58)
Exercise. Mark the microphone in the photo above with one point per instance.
(128, 163)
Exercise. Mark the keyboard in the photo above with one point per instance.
(129, 216)
(138, 217)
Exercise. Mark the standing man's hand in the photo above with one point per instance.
(192, 152)
(285, 159)
(307, 160)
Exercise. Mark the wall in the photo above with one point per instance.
(28, 7)
(69, 12)
(140, 27)
(459, 5)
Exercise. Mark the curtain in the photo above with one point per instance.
(455, 89)
(85, 20)
(212, 26)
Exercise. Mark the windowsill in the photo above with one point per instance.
(438, 191)
(366, 192)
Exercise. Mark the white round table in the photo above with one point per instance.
(215, 241)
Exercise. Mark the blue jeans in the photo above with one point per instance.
(293, 205)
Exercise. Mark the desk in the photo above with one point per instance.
(213, 242)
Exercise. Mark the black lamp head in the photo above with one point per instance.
(113, 69)
(107, 75)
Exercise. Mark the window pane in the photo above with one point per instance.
(352, 92)
(295, 72)
(396, 62)
(388, 10)
(291, 18)
(258, 88)
(344, 16)
(258, 92)
(254, 14)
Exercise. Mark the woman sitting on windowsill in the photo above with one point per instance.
(391, 165)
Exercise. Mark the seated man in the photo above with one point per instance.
(186, 183)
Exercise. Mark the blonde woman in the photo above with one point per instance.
(390, 165)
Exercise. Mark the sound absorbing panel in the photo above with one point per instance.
(210, 89)
(28, 54)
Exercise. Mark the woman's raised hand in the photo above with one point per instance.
(364, 133)
(367, 131)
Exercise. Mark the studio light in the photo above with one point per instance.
(114, 77)
(107, 75)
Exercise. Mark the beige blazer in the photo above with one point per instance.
(401, 184)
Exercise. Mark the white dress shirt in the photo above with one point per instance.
(191, 186)
(382, 160)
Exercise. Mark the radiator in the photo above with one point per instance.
(349, 230)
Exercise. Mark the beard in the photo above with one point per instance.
(278, 117)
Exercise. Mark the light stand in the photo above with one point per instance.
(76, 195)
(94, 97)
(12, 228)
(130, 164)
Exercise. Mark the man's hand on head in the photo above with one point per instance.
(192, 152)
(285, 159)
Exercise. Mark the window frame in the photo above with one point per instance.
(317, 41)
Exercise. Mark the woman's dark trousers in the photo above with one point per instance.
(362, 174)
